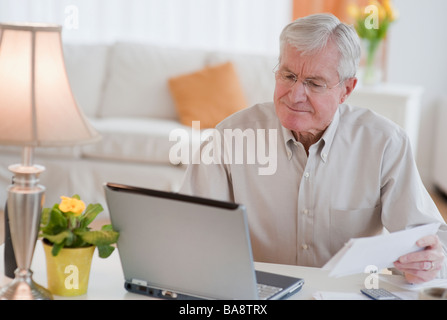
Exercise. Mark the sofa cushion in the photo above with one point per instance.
(134, 139)
(255, 73)
(208, 95)
(86, 67)
(138, 76)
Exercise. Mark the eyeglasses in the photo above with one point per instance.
(311, 85)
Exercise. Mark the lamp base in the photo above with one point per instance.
(23, 287)
(9, 256)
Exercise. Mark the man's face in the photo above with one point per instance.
(309, 108)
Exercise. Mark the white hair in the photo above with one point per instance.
(312, 33)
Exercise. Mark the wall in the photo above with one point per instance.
(418, 55)
(230, 25)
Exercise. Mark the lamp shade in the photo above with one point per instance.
(37, 107)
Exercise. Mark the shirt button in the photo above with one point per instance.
(306, 211)
(306, 174)
(304, 246)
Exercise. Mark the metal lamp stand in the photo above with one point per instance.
(25, 201)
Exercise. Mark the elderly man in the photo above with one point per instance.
(342, 171)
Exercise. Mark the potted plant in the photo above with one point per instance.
(69, 244)
(372, 23)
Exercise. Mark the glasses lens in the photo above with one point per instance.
(289, 79)
(286, 78)
(315, 86)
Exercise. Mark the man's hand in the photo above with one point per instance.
(423, 265)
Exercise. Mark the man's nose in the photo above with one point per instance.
(297, 92)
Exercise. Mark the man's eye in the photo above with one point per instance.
(290, 77)
(315, 84)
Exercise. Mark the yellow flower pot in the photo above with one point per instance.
(68, 272)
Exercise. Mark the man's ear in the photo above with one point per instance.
(349, 86)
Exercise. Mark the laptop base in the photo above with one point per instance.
(157, 293)
(292, 286)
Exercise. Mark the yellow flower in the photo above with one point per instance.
(381, 10)
(391, 12)
(72, 205)
(353, 11)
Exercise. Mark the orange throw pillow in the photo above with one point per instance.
(208, 95)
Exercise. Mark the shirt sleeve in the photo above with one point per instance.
(405, 200)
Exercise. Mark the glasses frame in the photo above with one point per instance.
(321, 90)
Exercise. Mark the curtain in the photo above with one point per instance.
(232, 25)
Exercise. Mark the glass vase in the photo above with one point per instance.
(372, 61)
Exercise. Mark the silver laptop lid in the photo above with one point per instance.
(188, 245)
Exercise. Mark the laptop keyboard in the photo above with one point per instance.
(265, 291)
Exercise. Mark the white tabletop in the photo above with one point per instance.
(107, 280)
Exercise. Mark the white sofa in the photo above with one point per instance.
(123, 89)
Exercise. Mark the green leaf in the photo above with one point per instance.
(90, 214)
(56, 249)
(45, 216)
(55, 221)
(105, 251)
(99, 238)
(59, 238)
(107, 227)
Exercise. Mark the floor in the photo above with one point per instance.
(440, 200)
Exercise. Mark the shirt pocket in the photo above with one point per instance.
(347, 224)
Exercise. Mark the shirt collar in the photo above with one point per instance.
(288, 140)
(328, 137)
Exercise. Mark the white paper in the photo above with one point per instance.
(379, 251)
(329, 295)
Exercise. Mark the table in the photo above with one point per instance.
(107, 280)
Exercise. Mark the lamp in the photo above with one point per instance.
(37, 109)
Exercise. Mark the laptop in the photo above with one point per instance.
(174, 246)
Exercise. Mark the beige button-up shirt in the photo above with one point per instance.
(359, 178)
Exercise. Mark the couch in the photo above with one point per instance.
(125, 90)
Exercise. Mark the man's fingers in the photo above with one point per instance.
(423, 265)
(421, 256)
(428, 265)
(428, 241)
